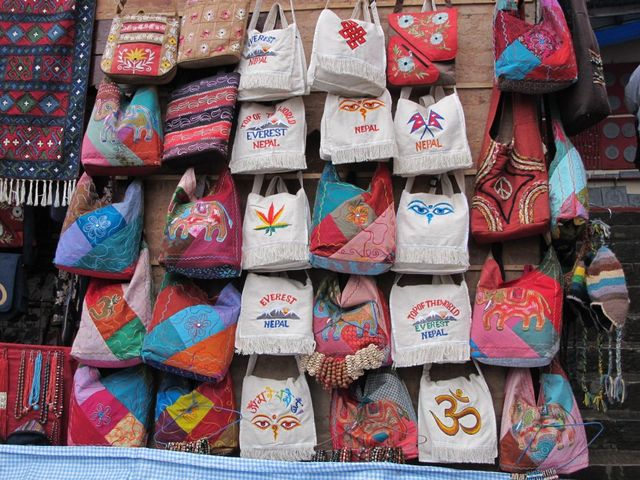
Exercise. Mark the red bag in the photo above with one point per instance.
(11, 226)
(511, 198)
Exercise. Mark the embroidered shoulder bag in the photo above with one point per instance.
(12, 225)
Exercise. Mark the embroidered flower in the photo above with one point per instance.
(111, 38)
(101, 415)
(135, 55)
(405, 21)
(234, 47)
(128, 433)
(16, 213)
(96, 227)
(204, 48)
(106, 64)
(225, 14)
(436, 39)
(172, 41)
(238, 32)
(196, 326)
(221, 33)
(542, 43)
(220, 48)
(406, 64)
(165, 64)
(190, 36)
(240, 13)
(358, 214)
(440, 18)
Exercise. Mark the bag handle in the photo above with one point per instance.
(276, 183)
(253, 358)
(272, 17)
(442, 280)
(123, 3)
(361, 8)
(408, 186)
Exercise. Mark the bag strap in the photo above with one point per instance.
(120, 6)
(270, 22)
(276, 182)
(442, 280)
(251, 365)
(254, 16)
(479, 370)
(447, 186)
(361, 8)
(257, 183)
(496, 253)
(430, 3)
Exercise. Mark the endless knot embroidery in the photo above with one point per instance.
(353, 33)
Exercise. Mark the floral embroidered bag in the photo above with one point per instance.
(11, 225)
(422, 45)
(354, 230)
(203, 233)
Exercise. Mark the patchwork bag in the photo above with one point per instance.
(124, 135)
(422, 45)
(357, 129)
(430, 323)
(456, 417)
(518, 323)
(111, 409)
(192, 334)
(273, 65)
(270, 139)
(11, 225)
(101, 238)
(532, 59)
(189, 414)
(141, 48)
(431, 135)
(511, 198)
(199, 119)
(353, 230)
(14, 298)
(203, 234)
(212, 32)
(433, 229)
(348, 56)
(277, 417)
(275, 232)
(276, 316)
(352, 331)
(541, 434)
(115, 318)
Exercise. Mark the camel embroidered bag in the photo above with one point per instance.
(273, 65)
(203, 234)
(270, 139)
(124, 135)
(422, 45)
(277, 417)
(431, 135)
(532, 59)
(276, 316)
(101, 238)
(430, 323)
(518, 323)
(543, 434)
(457, 418)
(276, 228)
(348, 56)
(511, 198)
(191, 333)
(354, 230)
(115, 318)
(433, 229)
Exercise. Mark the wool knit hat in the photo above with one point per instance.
(607, 286)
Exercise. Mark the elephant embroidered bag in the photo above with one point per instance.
(518, 323)
(110, 409)
(457, 418)
(124, 135)
(422, 45)
(191, 333)
(101, 238)
(543, 434)
(511, 198)
(203, 234)
(115, 318)
(354, 230)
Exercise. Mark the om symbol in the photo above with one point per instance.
(455, 416)
(430, 211)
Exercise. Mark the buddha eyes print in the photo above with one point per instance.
(362, 105)
(430, 211)
(275, 423)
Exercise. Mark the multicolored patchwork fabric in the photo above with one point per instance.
(192, 335)
(100, 239)
(607, 286)
(11, 226)
(111, 409)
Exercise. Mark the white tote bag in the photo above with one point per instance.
(431, 135)
(457, 419)
(275, 230)
(273, 65)
(276, 316)
(430, 323)
(349, 56)
(277, 417)
(270, 138)
(432, 229)
(357, 129)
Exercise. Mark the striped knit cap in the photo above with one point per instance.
(607, 286)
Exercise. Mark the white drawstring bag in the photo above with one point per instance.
(457, 419)
(349, 56)
(273, 65)
(276, 316)
(431, 134)
(430, 323)
(270, 138)
(277, 420)
(357, 129)
(432, 229)
(275, 231)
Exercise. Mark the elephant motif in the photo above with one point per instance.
(191, 219)
(105, 307)
(361, 318)
(515, 302)
(136, 118)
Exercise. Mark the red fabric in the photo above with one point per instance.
(11, 226)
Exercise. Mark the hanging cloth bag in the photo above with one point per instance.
(457, 418)
(277, 417)
(273, 65)
(433, 229)
(270, 139)
(348, 56)
(430, 323)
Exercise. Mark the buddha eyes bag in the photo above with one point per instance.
(124, 135)
(203, 234)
